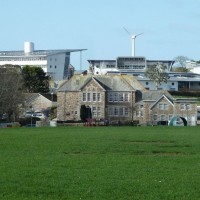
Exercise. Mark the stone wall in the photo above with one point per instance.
(94, 87)
(167, 112)
(129, 104)
(68, 106)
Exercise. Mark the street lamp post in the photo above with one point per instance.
(31, 115)
(51, 104)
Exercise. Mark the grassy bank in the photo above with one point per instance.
(101, 163)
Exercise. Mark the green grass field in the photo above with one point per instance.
(104, 163)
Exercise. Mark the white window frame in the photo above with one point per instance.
(185, 106)
(163, 117)
(98, 111)
(88, 96)
(163, 106)
(126, 112)
(182, 106)
(116, 111)
(121, 97)
(94, 97)
(126, 97)
(94, 111)
(121, 111)
(99, 97)
(84, 97)
(116, 97)
(188, 106)
(110, 97)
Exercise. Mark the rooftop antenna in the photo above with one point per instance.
(133, 37)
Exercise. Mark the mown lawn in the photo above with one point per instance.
(104, 163)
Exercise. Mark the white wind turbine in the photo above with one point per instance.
(133, 37)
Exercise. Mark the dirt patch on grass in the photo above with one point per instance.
(149, 142)
(78, 153)
(136, 153)
(175, 146)
(175, 153)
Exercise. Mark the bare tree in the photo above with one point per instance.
(10, 90)
(157, 74)
(181, 62)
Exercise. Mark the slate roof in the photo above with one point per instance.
(154, 95)
(31, 96)
(108, 82)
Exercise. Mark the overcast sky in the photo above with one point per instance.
(170, 27)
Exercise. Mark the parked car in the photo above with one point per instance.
(4, 116)
(28, 114)
(39, 115)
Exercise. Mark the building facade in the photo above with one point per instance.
(159, 107)
(56, 63)
(126, 65)
(176, 82)
(120, 98)
(136, 66)
(109, 97)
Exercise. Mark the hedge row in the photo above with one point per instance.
(185, 93)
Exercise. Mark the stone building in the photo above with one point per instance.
(109, 97)
(38, 102)
(158, 107)
(120, 98)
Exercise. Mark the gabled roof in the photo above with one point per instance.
(93, 79)
(107, 82)
(32, 96)
(163, 96)
(155, 95)
(114, 82)
(75, 83)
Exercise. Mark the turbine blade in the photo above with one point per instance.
(138, 34)
(126, 30)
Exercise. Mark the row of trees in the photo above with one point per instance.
(15, 81)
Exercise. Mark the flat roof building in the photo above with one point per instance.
(126, 64)
(136, 66)
(56, 63)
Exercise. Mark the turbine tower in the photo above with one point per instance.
(133, 37)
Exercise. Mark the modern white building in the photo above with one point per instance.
(177, 82)
(126, 64)
(54, 62)
(136, 66)
(193, 66)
